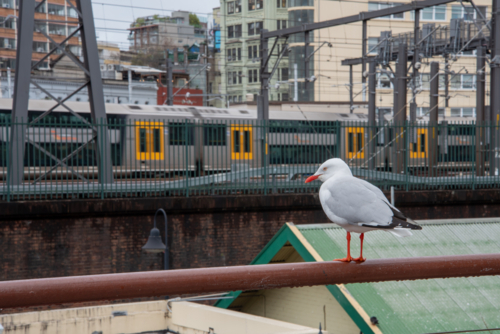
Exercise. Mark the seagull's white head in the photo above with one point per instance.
(330, 168)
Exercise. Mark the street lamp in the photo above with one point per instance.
(154, 244)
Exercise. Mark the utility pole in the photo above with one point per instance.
(372, 85)
(263, 103)
(306, 61)
(480, 103)
(400, 107)
(364, 42)
(351, 88)
(170, 93)
(433, 119)
(494, 88)
(415, 60)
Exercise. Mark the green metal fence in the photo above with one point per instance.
(184, 157)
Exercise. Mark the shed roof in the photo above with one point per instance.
(424, 306)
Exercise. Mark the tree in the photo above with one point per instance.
(194, 20)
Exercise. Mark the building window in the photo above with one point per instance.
(237, 6)
(251, 29)
(239, 53)
(7, 43)
(56, 9)
(281, 24)
(284, 97)
(40, 47)
(463, 81)
(229, 55)
(58, 50)
(42, 8)
(255, 4)
(252, 76)
(436, 13)
(468, 13)
(72, 12)
(281, 3)
(240, 74)
(7, 3)
(8, 24)
(237, 31)
(383, 81)
(463, 112)
(284, 74)
(230, 32)
(57, 29)
(230, 7)
(378, 6)
(372, 45)
(424, 111)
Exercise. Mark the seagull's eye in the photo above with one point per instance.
(325, 169)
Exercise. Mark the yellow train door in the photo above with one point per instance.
(149, 140)
(355, 142)
(419, 149)
(241, 142)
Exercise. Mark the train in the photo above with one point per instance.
(184, 140)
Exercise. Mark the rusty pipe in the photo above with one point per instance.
(47, 291)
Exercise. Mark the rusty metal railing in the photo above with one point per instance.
(47, 291)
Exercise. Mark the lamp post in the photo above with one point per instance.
(154, 244)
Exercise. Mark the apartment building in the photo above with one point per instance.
(332, 77)
(240, 26)
(165, 31)
(64, 21)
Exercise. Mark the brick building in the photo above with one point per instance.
(53, 10)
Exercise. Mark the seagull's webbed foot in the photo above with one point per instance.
(346, 259)
(359, 259)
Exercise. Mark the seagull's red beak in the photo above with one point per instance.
(311, 178)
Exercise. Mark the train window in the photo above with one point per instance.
(422, 142)
(142, 140)
(350, 141)
(461, 130)
(246, 141)
(236, 141)
(149, 140)
(241, 142)
(181, 133)
(355, 142)
(214, 134)
(317, 127)
(156, 140)
(300, 154)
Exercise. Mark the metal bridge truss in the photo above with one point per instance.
(93, 83)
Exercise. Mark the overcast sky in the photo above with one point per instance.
(113, 17)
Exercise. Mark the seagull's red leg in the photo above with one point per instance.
(360, 258)
(348, 258)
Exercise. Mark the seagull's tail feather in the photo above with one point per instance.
(400, 220)
(401, 232)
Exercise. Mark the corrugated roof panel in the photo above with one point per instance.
(427, 305)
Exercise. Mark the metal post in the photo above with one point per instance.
(170, 93)
(263, 114)
(372, 80)
(9, 82)
(351, 88)
(363, 60)
(400, 112)
(494, 88)
(306, 61)
(415, 60)
(95, 89)
(295, 83)
(129, 86)
(446, 80)
(480, 102)
(432, 134)
(26, 24)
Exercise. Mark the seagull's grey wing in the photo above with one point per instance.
(353, 202)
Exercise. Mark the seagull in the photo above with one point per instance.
(357, 205)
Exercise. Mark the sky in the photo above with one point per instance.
(113, 17)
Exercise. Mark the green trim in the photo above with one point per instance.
(350, 310)
(272, 248)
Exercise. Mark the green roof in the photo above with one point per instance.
(423, 306)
